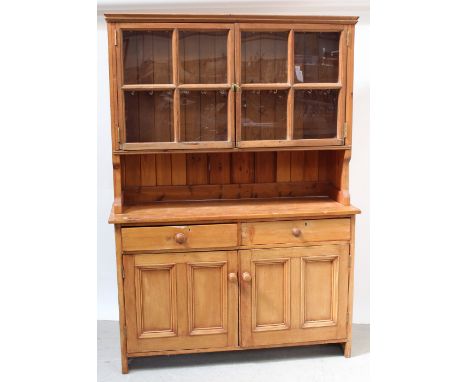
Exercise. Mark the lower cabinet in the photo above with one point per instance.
(191, 300)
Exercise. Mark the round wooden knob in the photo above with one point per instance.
(246, 276)
(180, 238)
(296, 232)
(232, 277)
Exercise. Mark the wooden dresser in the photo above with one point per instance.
(231, 140)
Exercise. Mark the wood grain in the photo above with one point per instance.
(231, 210)
(197, 236)
(280, 232)
(286, 322)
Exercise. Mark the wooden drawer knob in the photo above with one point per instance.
(246, 276)
(296, 232)
(180, 238)
(232, 277)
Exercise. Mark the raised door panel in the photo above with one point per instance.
(207, 298)
(156, 283)
(319, 288)
(270, 296)
(180, 301)
(293, 295)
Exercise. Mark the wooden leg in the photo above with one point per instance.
(123, 333)
(124, 359)
(347, 349)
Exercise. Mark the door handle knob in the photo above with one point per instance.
(296, 232)
(180, 238)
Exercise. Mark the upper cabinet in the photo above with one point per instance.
(226, 85)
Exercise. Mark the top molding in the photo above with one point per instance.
(160, 17)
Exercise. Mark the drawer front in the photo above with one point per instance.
(295, 232)
(179, 237)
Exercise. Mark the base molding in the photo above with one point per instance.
(343, 342)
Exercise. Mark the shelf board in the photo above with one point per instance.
(230, 150)
(231, 210)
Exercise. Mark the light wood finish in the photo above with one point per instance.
(233, 348)
(233, 220)
(349, 84)
(232, 210)
(120, 285)
(236, 175)
(295, 232)
(295, 294)
(179, 237)
(172, 18)
(131, 114)
(349, 328)
(142, 87)
(196, 304)
(232, 150)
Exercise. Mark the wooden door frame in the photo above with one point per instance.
(297, 331)
(183, 334)
(291, 86)
(119, 28)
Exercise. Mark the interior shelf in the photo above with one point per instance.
(231, 210)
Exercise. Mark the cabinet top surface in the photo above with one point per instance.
(160, 17)
(232, 210)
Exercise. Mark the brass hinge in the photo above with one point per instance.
(118, 135)
(347, 37)
(345, 130)
(115, 37)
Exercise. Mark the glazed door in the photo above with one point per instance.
(175, 86)
(292, 85)
(293, 295)
(181, 301)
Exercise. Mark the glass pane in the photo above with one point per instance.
(264, 57)
(315, 113)
(203, 115)
(316, 56)
(147, 57)
(264, 114)
(148, 116)
(203, 57)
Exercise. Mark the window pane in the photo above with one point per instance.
(316, 56)
(264, 114)
(264, 57)
(203, 57)
(148, 116)
(203, 115)
(315, 113)
(147, 57)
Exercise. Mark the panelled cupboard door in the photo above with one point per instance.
(175, 85)
(293, 295)
(181, 301)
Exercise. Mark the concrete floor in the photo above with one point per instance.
(320, 363)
